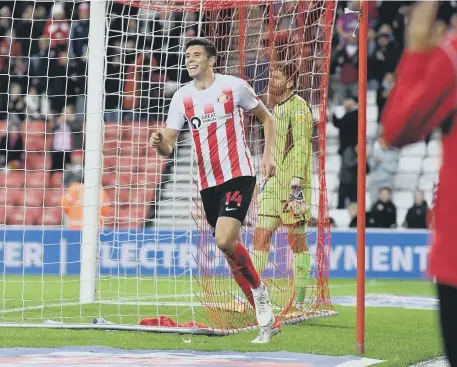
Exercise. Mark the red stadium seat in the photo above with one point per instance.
(14, 197)
(109, 179)
(127, 164)
(33, 216)
(55, 180)
(3, 127)
(15, 178)
(34, 198)
(52, 216)
(15, 216)
(112, 132)
(2, 215)
(37, 179)
(2, 179)
(3, 196)
(37, 161)
(110, 148)
(53, 197)
(124, 180)
(109, 164)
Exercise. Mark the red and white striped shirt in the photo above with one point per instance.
(215, 117)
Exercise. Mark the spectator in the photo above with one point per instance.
(29, 29)
(36, 105)
(352, 209)
(10, 49)
(416, 217)
(384, 91)
(57, 84)
(348, 124)
(61, 144)
(345, 65)
(348, 177)
(5, 20)
(353, 213)
(57, 28)
(347, 24)
(12, 148)
(39, 65)
(383, 213)
(73, 205)
(386, 55)
(16, 104)
(384, 165)
(80, 32)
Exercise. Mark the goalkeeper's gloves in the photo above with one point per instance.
(296, 201)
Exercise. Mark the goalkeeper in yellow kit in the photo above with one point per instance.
(286, 197)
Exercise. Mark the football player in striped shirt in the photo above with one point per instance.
(213, 105)
(286, 197)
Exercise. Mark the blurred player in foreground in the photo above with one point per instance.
(286, 197)
(212, 105)
(425, 98)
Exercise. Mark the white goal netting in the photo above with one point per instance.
(99, 231)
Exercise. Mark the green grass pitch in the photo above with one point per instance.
(401, 337)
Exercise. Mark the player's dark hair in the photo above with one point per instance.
(289, 70)
(210, 47)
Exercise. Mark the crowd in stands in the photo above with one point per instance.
(43, 79)
(387, 20)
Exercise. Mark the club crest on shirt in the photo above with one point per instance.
(223, 98)
(300, 116)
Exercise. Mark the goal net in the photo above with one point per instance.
(101, 232)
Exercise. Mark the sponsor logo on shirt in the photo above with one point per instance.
(223, 98)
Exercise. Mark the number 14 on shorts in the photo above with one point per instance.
(233, 197)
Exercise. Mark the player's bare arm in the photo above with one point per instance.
(164, 141)
(268, 121)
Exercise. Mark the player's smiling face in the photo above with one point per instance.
(197, 61)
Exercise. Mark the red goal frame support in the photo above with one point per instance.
(361, 176)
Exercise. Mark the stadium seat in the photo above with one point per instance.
(403, 199)
(414, 150)
(401, 216)
(332, 133)
(2, 215)
(372, 130)
(332, 181)
(127, 164)
(37, 161)
(372, 114)
(33, 216)
(340, 216)
(406, 181)
(53, 197)
(3, 196)
(431, 165)
(55, 180)
(15, 178)
(109, 164)
(434, 148)
(109, 179)
(15, 215)
(2, 179)
(33, 197)
(3, 127)
(37, 179)
(411, 165)
(333, 164)
(110, 148)
(52, 216)
(125, 180)
(426, 181)
(14, 197)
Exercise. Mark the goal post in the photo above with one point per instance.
(142, 256)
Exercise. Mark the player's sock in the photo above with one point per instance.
(301, 264)
(243, 271)
(260, 260)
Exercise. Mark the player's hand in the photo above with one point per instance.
(155, 139)
(419, 32)
(268, 166)
(296, 201)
